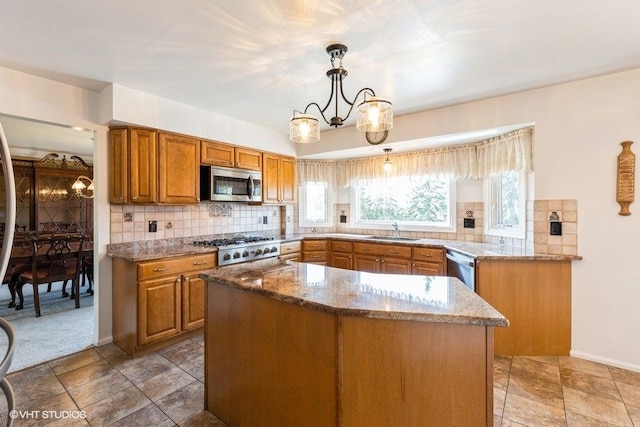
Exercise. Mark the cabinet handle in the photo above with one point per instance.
(199, 262)
(158, 270)
(121, 198)
(427, 255)
(366, 250)
(134, 198)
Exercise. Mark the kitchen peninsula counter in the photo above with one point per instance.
(292, 343)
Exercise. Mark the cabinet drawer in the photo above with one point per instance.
(386, 250)
(175, 266)
(320, 256)
(289, 247)
(340, 246)
(428, 254)
(314, 245)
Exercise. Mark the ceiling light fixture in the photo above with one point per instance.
(387, 165)
(374, 114)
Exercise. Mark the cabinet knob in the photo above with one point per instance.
(134, 198)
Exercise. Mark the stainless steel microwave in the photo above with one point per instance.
(221, 184)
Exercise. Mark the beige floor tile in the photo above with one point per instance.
(183, 403)
(634, 413)
(116, 407)
(551, 360)
(588, 383)
(74, 361)
(165, 383)
(146, 367)
(579, 420)
(531, 413)
(630, 394)
(586, 366)
(596, 407)
(110, 351)
(98, 389)
(149, 416)
(199, 339)
(624, 376)
(499, 397)
(206, 419)
(536, 389)
(85, 374)
(60, 411)
(508, 423)
(522, 367)
(183, 353)
(194, 367)
(34, 384)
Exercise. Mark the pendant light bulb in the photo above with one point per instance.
(387, 165)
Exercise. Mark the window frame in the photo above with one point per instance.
(302, 206)
(405, 225)
(499, 230)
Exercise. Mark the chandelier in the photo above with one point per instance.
(374, 114)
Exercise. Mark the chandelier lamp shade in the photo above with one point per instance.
(79, 186)
(375, 114)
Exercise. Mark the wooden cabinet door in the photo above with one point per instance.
(270, 172)
(213, 153)
(287, 180)
(179, 169)
(118, 166)
(142, 166)
(367, 263)
(192, 302)
(395, 265)
(248, 159)
(158, 309)
(427, 268)
(341, 260)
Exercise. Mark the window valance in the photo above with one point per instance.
(512, 151)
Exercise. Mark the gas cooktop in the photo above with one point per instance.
(237, 240)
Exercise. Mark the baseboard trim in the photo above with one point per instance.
(105, 340)
(605, 360)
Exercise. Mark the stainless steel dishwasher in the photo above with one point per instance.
(463, 267)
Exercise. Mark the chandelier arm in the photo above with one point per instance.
(319, 109)
(352, 104)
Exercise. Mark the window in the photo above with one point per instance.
(315, 205)
(422, 203)
(506, 196)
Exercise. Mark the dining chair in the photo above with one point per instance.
(54, 258)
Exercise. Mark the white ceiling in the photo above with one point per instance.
(260, 60)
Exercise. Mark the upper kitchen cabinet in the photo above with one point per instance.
(278, 179)
(179, 169)
(148, 167)
(218, 154)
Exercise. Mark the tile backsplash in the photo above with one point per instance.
(131, 223)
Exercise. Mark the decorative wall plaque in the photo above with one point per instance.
(625, 184)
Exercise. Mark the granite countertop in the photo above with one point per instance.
(437, 299)
(157, 249)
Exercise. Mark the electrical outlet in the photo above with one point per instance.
(153, 226)
(265, 219)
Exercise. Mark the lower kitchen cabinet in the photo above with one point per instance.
(377, 258)
(428, 261)
(290, 250)
(314, 251)
(341, 254)
(156, 303)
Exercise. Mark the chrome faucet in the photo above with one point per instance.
(396, 232)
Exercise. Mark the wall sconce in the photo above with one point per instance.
(387, 165)
(79, 186)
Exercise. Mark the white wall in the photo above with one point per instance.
(578, 130)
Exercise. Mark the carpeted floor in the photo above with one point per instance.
(59, 331)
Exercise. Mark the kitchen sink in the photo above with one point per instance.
(399, 239)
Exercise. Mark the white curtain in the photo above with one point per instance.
(508, 152)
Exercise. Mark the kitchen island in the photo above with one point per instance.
(290, 343)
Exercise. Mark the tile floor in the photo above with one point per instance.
(166, 388)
